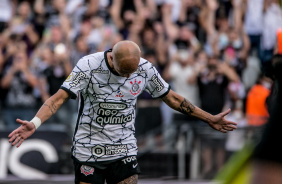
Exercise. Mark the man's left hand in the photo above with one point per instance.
(221, 124)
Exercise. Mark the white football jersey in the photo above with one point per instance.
(105, 124)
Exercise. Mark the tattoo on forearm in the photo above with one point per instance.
(208, 120)
(52, 107)
(131, 180)
(186, 107)
(165, 99)
(66, 99)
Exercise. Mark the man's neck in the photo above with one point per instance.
(110, 60)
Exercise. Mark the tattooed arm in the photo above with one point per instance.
(179, 103)
(130, 180)
(48, 109)
(52, 104)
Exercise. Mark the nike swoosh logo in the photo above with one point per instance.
(134, 165)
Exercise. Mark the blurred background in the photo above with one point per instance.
(216, 53)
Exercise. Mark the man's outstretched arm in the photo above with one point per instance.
(52, 104)
(49, 108)
(179, 103)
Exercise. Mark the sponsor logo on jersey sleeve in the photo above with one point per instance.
(86, 170)
(70, 77)
(158, 83)
(135, 88)
(78, 77)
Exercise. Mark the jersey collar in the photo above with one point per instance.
(107, 62)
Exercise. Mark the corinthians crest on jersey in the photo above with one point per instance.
(135, 88)
(107, 106)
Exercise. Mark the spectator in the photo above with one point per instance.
(2, 61)
(184, 81)
(109, 40)
(189, 13)
(213, 81)
(6, 14)
(153, 40)
(20, 82)
(80, 49)
(171, 29)
(53, 66)
(236, 52)
(153, 48)
(52, 12)
(56, 68)
(22, 28)
(149, 115)
(229, 42)
(54, 37)
(272, 20)
(237, 139)
(187, 39)
(97, 34)
(253, 24)
(91, 36)
(256, 107)
(90, 8)
(128, 16)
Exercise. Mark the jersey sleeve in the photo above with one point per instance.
(79, 78)
(156, 85)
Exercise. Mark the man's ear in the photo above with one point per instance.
(111, 56)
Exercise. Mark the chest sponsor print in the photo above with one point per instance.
(108, 114)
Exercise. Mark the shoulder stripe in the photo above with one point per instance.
(72, 94)
(81, 107)
(163, 95)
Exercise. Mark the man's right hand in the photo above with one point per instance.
(23, 132)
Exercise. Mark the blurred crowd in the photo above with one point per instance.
(216, 53)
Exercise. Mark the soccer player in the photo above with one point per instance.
(107, 85)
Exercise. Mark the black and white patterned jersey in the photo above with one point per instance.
(105, 125)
